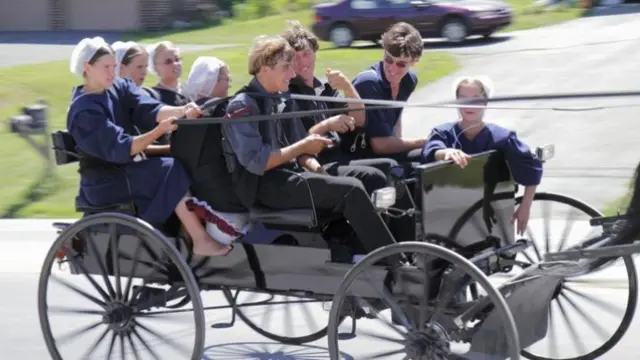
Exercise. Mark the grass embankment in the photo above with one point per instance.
(23, 192)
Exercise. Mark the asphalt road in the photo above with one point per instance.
(596, 151)
(37, 47)
(25, 244)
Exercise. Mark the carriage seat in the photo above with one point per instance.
(86, 208)
(295, 217)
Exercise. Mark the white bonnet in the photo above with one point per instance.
(151, 50)
(486, 82)
(203, 76)
(120, 49)
(83, 52)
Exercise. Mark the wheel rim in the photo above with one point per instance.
(423, 334)
(341, 36)
(569, 310)
(296, 311)
(454, 31)
(121, 320)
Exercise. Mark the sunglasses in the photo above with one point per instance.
(389, 60)
(170, 61)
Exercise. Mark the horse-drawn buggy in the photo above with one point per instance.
(466, 288)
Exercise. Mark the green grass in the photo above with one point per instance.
(229, 32)
(529, 17)
(24, 192)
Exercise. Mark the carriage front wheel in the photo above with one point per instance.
(114, 275)
(431, 314)
(560, 223)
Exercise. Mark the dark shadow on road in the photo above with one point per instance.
(471, 42)
(268, 351)
(55, 37)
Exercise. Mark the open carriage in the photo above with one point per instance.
(467, 288)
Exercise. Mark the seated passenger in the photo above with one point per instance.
(209, 78)
(131, 61)
(276, 161)
(390, 79)
(199, 150)
(455, 141)
(372, 172)
(166, 64)
(101, 120)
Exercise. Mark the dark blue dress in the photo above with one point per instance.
(103, 126)
(525, 167)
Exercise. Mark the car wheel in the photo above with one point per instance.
(341, 36)
(454, 30)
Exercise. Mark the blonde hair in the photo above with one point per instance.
(161, 47)
(483, 83)
(268, 51)
(153, 52)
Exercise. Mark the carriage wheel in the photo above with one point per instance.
(298, 312)
(578, 297)
(431, 318)
(115, 272)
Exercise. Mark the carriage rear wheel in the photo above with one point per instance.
(431, 317)
(115, 271)
(578, 297)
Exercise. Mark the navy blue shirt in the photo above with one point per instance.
(372, 84)
(525, 167)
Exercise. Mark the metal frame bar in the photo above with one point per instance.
(595, 253)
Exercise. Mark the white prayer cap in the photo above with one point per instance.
(151, 50)
(83, 52)
(120, 49)
(486, 82)
(203, 76)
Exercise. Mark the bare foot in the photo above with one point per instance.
(210, 247)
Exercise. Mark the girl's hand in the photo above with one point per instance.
(521, 218)
(192, 111)
(458, 157)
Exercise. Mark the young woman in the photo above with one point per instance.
(199, 150)
(101, 119)
(166, 64)
(131, 61)
(455, 141)
(209, 78)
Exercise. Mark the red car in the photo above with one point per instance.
(346, 21)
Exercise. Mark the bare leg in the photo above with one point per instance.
(203, 243)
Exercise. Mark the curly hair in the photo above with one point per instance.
(300, 38)
(267, 51)
(402, 39)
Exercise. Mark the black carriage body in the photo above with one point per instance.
(447, 192)
(310, 266)
(443, 191)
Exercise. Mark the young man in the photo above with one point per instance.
(389, 79)
(372, 172)
(281, 157)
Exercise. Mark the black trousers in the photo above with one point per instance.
(283, 189)
(372, 172)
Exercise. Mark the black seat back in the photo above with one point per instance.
(64, 148)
